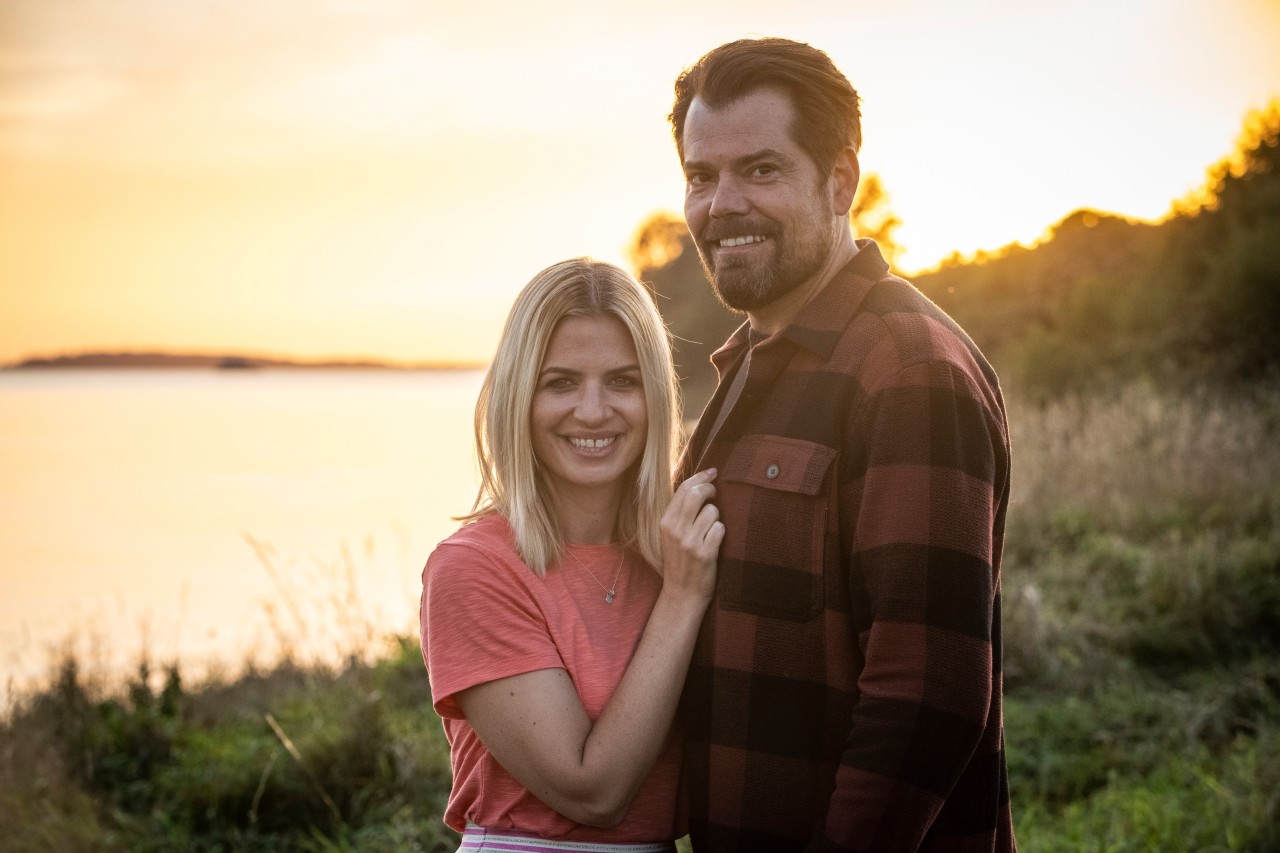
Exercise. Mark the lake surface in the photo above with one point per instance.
(218, 517)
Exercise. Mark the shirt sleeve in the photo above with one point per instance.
(480, 621)
(929, 464)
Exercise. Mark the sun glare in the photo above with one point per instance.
(382, 178)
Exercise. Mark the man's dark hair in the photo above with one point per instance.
(826, 105)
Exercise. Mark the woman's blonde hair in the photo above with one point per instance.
(512, 483)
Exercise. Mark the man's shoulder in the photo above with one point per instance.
(865, 301)
(869, 325)
(898, 326)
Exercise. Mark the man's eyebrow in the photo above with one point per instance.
(740, 162)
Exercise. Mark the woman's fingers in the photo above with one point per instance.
(692, 533)
(688, 501)
(692, 494)
(708, 524)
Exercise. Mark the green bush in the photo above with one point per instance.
(1202, 801)
(306, 761)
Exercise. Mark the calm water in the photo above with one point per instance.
(214, 517)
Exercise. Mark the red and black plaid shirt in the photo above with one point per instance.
(846, 688)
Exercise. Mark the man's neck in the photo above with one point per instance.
(772, 318)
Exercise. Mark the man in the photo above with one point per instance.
(845, 692)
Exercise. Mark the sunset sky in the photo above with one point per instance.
(377, 178)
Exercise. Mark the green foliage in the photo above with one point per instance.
(1201, 800)
(306, 761)
(1144, 529)
(1102, 299)
(1142, 620)
(113, 746)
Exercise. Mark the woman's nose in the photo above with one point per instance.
(592, 406)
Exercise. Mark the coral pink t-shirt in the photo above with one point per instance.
(485, 615)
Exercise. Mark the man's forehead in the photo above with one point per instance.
(775, 97)
(762, 118)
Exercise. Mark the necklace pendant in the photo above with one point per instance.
(608, 597)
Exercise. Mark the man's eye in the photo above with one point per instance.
(695, 179)
(763, 170)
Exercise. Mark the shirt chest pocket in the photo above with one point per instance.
(774, 507)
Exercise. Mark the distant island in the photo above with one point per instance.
(215, 362)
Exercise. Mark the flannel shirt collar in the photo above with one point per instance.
(823, 318)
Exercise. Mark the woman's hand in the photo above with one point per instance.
(691, 536)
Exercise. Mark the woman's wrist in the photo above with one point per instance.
(684, 601)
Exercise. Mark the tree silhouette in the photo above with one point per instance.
(664, 258)
(1191, 300)
(659, 240)
(871, 216)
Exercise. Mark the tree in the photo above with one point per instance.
(659, 241)
(665, 259)
(871, 217)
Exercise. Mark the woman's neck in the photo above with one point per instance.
(591, 522)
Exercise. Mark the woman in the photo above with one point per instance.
(555, 649)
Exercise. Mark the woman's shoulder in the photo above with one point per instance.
(486, 542)
(491, 531)
(478, 564)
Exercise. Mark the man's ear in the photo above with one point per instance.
(844, 181)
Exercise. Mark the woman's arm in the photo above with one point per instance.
(535, 725)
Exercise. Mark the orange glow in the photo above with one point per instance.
(378, 179)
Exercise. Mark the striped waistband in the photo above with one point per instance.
(477, 839)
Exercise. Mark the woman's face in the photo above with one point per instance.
(589, 417)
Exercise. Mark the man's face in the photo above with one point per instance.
(760, 213)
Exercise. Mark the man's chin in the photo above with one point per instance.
(737, 283)
(739, 292)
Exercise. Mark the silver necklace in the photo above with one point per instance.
(611, 590)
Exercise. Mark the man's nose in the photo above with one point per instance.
(729, 199)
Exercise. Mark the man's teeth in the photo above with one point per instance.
(587, 443)
(740, 241)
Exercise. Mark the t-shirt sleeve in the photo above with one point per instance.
(480, 621)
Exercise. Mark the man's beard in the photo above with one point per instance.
(745, 285)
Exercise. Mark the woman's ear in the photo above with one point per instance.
(844, 181)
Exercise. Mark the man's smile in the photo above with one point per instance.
(729, 242)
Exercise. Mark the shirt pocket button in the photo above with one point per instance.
(771, 472)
